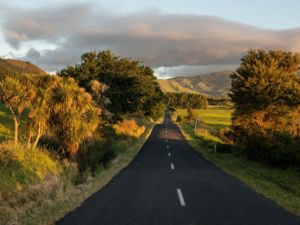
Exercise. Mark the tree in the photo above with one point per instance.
(73, 116)
(39, 108)
(16, 94)
(264, 79)
(186, 100)
(266, 96)
(132, 87)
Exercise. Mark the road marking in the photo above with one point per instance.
(172, 166)
(169, 154)
(180, 196)
(166, 140)
(168, 146)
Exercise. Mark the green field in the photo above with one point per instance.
(214, 119)
(281, 186)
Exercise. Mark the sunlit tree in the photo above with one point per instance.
(16, 93)
(74, 115)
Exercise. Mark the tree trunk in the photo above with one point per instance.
(38, 136)
(29, 136)
(16, 126)
(16, 130)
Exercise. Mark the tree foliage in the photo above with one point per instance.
(73, 115)
(186, 100)
(266, 96)
(16, 93)
(132, 87)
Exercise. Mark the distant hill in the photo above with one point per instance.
(213, 84)
(13, 66)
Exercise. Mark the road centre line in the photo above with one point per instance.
(172, 166)
(180, 196)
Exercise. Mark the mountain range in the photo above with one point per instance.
(212, 84)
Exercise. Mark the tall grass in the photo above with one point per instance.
(21, 166)
(130, 128)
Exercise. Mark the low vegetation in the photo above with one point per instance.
(21, 166)
(129, 128)
(46, 188)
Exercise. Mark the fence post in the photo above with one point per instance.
(195, 129)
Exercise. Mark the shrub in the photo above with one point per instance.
(226, 135)
(129, 128)
(174, 116)
(179, 119)
(281, 151)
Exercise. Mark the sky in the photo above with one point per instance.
(175, 37)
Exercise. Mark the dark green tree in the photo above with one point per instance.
(186, 100)
(266, 96)
(132, 87)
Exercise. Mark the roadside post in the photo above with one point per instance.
(195, 128)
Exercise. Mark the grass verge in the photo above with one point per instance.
(48, 201)
(281, 186)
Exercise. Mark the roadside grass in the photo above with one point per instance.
(282, 186)
(21, 166)
(48, 201)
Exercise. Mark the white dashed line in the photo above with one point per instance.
(169, 154)
(180, 196)
(172, 166)
(168, 146)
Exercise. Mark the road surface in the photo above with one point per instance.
(170, 184)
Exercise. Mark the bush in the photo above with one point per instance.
(281, 151)
(226, 135)
(224, 148)
(129, 128)
(174, 116)
(179, 119)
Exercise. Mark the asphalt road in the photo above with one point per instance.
(169, 183)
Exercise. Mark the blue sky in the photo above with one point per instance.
(175, 37)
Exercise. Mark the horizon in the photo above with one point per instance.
(178, 39)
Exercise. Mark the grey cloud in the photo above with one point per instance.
(156, 38)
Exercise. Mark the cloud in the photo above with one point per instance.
(156, 38)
